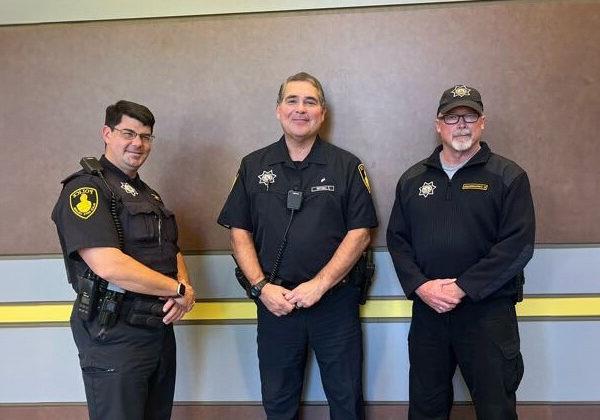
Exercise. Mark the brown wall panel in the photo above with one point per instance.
(212, 81)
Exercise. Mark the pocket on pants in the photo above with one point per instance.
(505, 335)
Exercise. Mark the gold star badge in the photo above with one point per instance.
(460, 91)
(426, 189)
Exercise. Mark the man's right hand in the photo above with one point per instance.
(272, 296)
(433, 294)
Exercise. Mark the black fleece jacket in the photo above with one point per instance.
(478, 227)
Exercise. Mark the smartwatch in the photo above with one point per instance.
(180, 289)
(256, 289)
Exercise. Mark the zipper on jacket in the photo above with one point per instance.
(449, 190)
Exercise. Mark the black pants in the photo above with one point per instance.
(129, 374)
(332, 329)
(483, 339)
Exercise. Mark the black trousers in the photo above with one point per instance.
(129, 373)
(483, 339)
(332, 329)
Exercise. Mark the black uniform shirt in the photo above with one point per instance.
(336, 199)
(83, 219)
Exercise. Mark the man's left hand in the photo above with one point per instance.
(453, 290)
(176, 308)
(306, 294)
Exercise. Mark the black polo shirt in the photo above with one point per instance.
(336, 199)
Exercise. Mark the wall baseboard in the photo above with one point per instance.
(309, 412)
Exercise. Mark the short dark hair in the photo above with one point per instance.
(302, 77)
(115, 112)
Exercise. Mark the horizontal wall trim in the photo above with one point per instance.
(53, 255)
(303, 403)
(232, 311)
(16, 12)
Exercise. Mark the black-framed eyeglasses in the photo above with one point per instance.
(131, 135)
(452, 119)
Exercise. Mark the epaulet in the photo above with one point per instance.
(73, 176)
(90, 167)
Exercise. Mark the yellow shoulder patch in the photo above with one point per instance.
(474, 186)
(84, 202)
(363, 175)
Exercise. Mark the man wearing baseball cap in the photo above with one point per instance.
(460, 233)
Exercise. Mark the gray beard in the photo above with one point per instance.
(461, 146)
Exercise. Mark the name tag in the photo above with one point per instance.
(320, 188)
(473, 186)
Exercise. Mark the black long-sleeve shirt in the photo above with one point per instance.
(478, 227)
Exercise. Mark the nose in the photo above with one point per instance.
(300, 107)
(461, 121)
(137, 141)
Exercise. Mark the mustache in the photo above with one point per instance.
(461, 132)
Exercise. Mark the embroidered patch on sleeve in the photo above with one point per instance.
(363, 175)
(84, 202)
(473, 186)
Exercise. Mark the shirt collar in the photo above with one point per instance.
(108, 165)
(279, 154)
(480, 157)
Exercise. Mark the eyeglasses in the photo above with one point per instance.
(131, 135)
(452, 119)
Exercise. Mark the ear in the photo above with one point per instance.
(105, 132)
(438, 128)
(482, 122)
(277, 112)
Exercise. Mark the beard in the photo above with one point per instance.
(462, 140)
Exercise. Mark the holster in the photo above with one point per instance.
(519, 282)
(146, 312)
(362, 273)
(243, 281)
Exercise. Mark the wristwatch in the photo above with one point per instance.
(256, 289)
(180, 289)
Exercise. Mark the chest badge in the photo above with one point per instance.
(426, 189)
(128, 189)
(266, 178)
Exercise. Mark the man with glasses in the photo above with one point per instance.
(119, 243)
(300, 213)
(460, 233)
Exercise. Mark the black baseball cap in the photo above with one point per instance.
(460, 95)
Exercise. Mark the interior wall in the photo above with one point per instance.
(212, 82)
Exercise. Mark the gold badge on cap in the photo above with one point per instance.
(460, 91)
(363, 175)
(84, 202)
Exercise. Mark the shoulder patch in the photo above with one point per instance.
(84, 202)
(363, 175)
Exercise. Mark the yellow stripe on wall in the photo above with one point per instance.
(382, 309)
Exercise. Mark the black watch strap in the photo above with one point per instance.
(180, 289)
(256, 289)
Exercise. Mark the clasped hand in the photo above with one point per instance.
(442, 295)
(281, 301)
